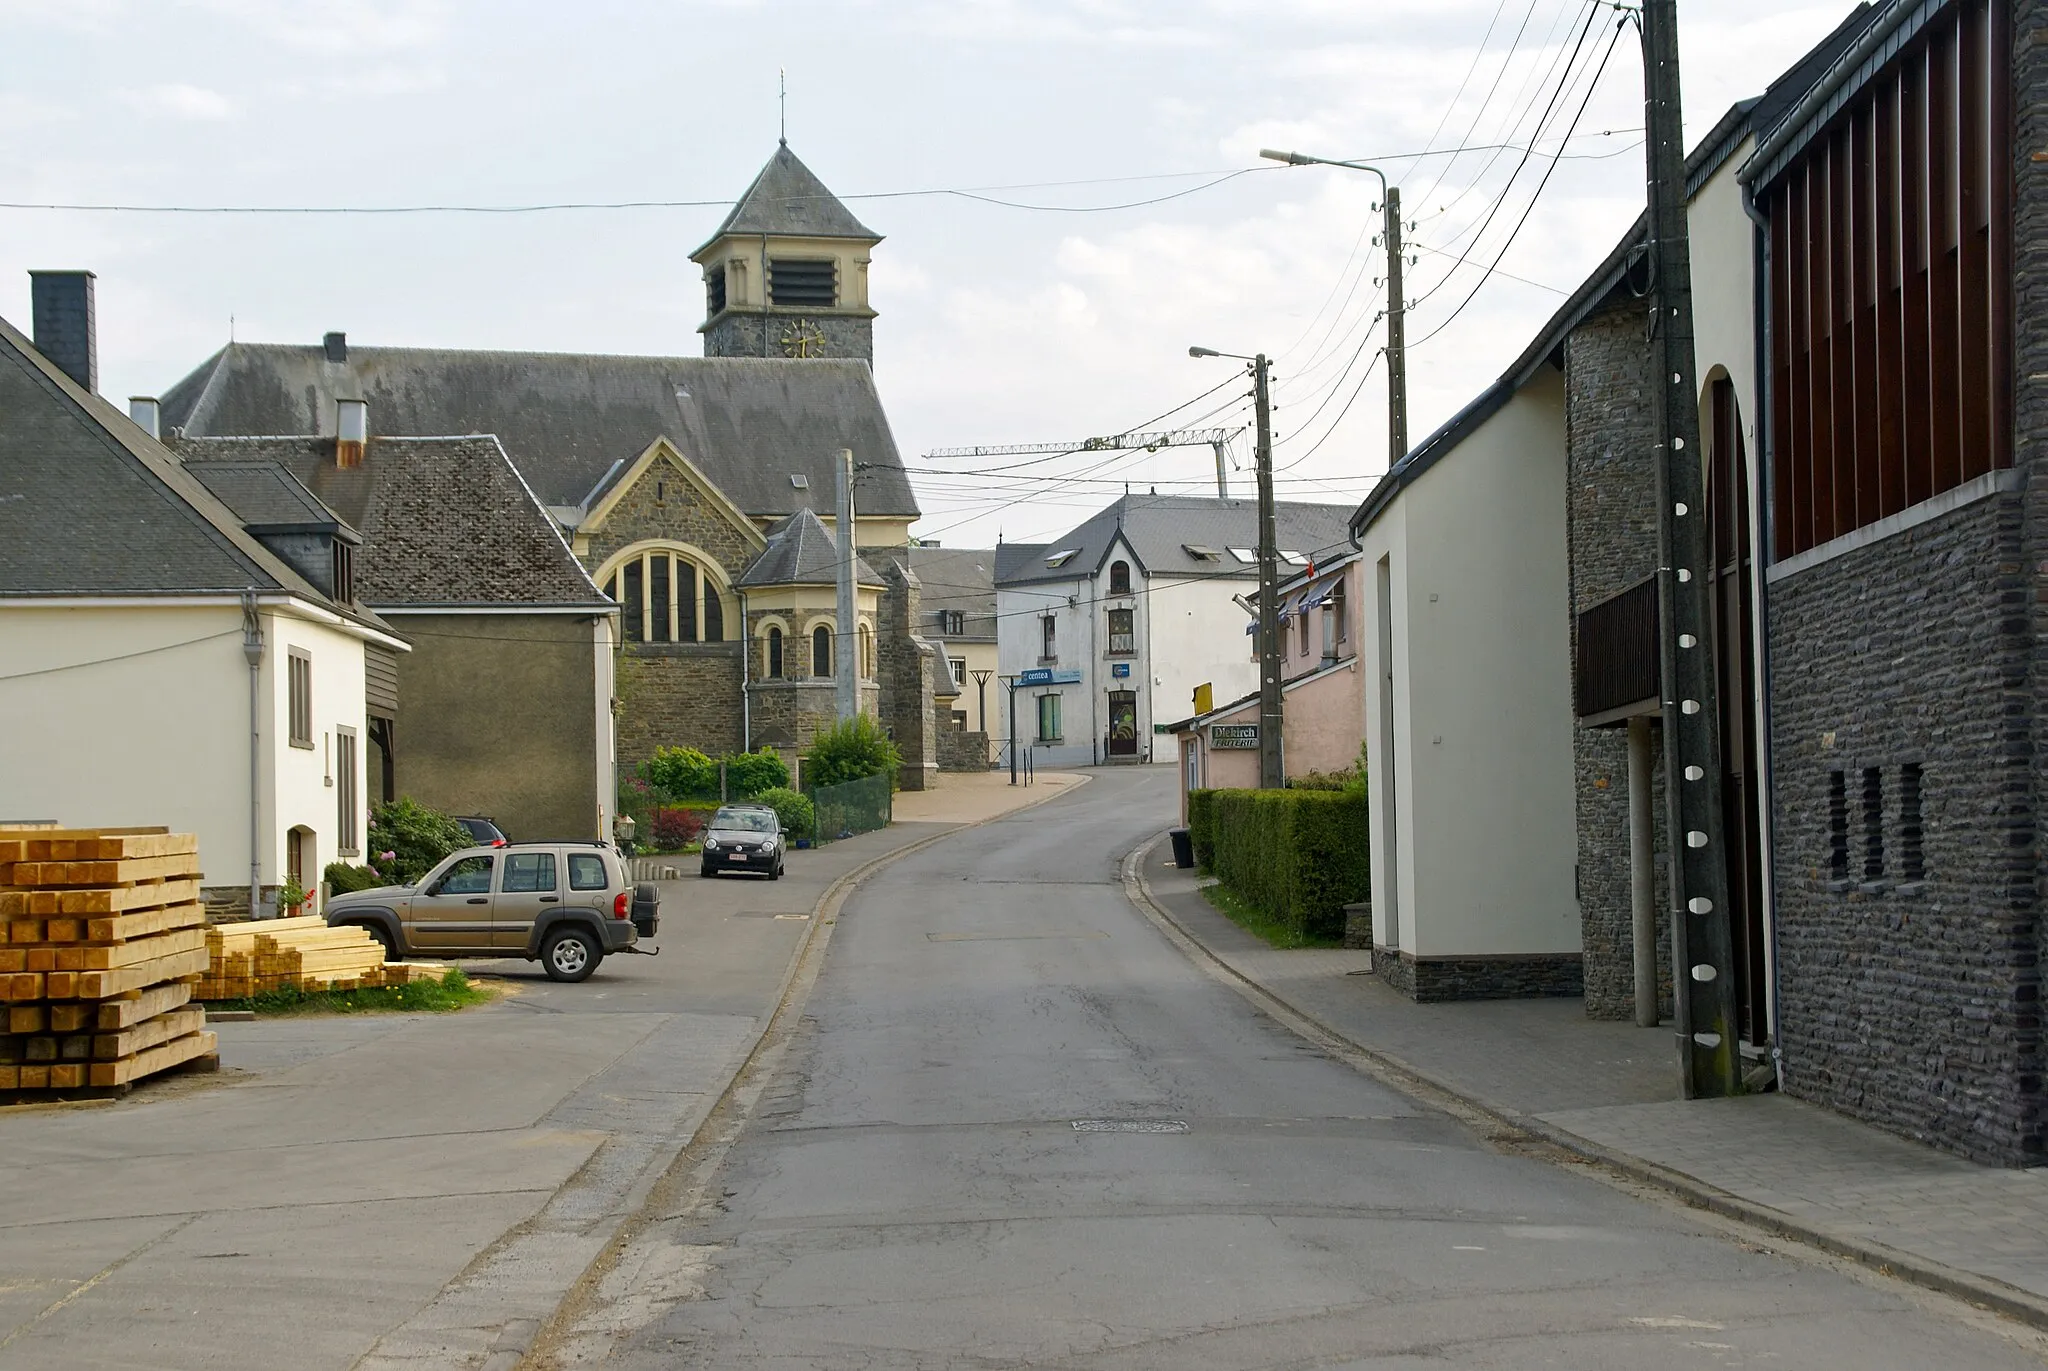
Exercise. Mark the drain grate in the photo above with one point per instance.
(1130, 1125)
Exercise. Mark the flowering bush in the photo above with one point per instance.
(674, 829)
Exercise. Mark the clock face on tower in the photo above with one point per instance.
(803, 338)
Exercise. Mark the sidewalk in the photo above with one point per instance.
(1610, 1092)
(397, 1191)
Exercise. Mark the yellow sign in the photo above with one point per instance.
(1205, 698)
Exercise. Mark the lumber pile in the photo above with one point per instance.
(301, 953)
(104, 941)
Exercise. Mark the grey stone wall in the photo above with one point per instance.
(1914, 1006)
(908, 668)
(960, 750)
(740, 335)
(1436, 980)
(1611, 534)
(676, 695)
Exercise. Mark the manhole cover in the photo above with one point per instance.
(1130, 1125)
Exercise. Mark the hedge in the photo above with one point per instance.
(1202, 827)
(1298, 856)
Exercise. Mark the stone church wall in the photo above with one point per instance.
(740, 335)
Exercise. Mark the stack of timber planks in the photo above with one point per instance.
(105, 940)
(300, 953)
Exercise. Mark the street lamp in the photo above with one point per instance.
(1397, 304)
(1271, 776)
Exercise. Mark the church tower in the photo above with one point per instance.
(786, 275)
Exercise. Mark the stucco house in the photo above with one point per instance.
(505, 702)
(665, 474)
(1112, 626)
(165, 661)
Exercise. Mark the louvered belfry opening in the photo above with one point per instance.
(1891, 270)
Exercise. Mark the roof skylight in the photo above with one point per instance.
(1244, 554)
(1197, 550)
(1062, 557)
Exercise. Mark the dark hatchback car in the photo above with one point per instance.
(744, 838)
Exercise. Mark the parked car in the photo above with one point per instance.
(483, 832)
(567, 904)
(744, 838)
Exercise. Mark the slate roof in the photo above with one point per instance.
(788, 200)
(1018, 559)
(445, 521)
(1160, 528)
(266, 497)
(801, 551)
(958, 578)
(90, 505)
(568, 419)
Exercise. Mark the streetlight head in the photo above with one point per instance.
(1292, 159)
(1203, 352)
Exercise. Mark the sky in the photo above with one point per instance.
(1100, 234)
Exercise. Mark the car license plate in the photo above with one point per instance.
(737, 857)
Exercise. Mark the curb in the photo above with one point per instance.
(1986, 1292)
(520, 1337)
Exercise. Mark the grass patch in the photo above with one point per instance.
(456, 992)
(1256, 922)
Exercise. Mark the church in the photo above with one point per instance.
(697, 493)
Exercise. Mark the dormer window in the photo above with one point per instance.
(714, 290)
(344, 573)
(803, 282)
(1062, 557)
(1119, 578)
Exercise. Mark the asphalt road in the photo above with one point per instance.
(1019, 1128)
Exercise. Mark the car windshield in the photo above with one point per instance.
(745, 820)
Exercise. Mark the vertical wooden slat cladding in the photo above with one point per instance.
(380, 681)
(1891, 290)
(1618, 662)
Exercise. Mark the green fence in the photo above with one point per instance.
(852, 807)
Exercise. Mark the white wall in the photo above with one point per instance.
(139, 715)
(1724, 319)
(1484, 812)
(1197, 635)
(1018, 638)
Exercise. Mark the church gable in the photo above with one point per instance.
(663, 497)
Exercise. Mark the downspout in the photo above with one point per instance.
(1761, 541)
(252, 650)
(746, 679)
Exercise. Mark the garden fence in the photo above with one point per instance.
(852, 807)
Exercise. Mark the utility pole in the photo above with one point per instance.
(1270, 774)
(845, 669)
(1397, 301)
(1701, 948)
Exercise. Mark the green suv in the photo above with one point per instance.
(568, 905)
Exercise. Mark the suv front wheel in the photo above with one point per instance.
(570, 954)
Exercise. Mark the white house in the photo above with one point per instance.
(161, 663)
(1110, 628)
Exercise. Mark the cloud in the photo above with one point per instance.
(337, 26)
(176, 100)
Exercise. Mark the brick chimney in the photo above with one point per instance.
(62, 309)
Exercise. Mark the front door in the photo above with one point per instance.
(453, 911)
(1123, 723)
(527, 890)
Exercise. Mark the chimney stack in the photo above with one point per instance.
(145, 411)
(335, 345)
(351, 431)
(61, 306)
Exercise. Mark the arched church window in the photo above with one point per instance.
(666, 596)
(774, 650)
(821, 651)
(1119, 578)
(867, 653)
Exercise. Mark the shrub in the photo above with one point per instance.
(673, 829)
(850, 750)
(683, 772)
(1344, 779)
(342, 878)
(408, 839)
(1202, 827)
(749, 775)
(799, 818)
(1298, 856)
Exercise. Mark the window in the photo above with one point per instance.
(803, 281)
(1062, 557)
(1048, 646)
(714, 290)
(952, 622)
(347, 794)
(528, 872)
(1331, 609)
(586, 871)
(1890, 288)
(865, 636)
(470, 876)
(774, 666)
(344, 573)
(1302, 615)
(821, 651)
(1048, 718)
(1338, 615)
(1123, 632)
(1119, 578)
(665, 597)
(1199, 552)
(1245, 555)
(1293, 558)
(299, 665)
(959, 665)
